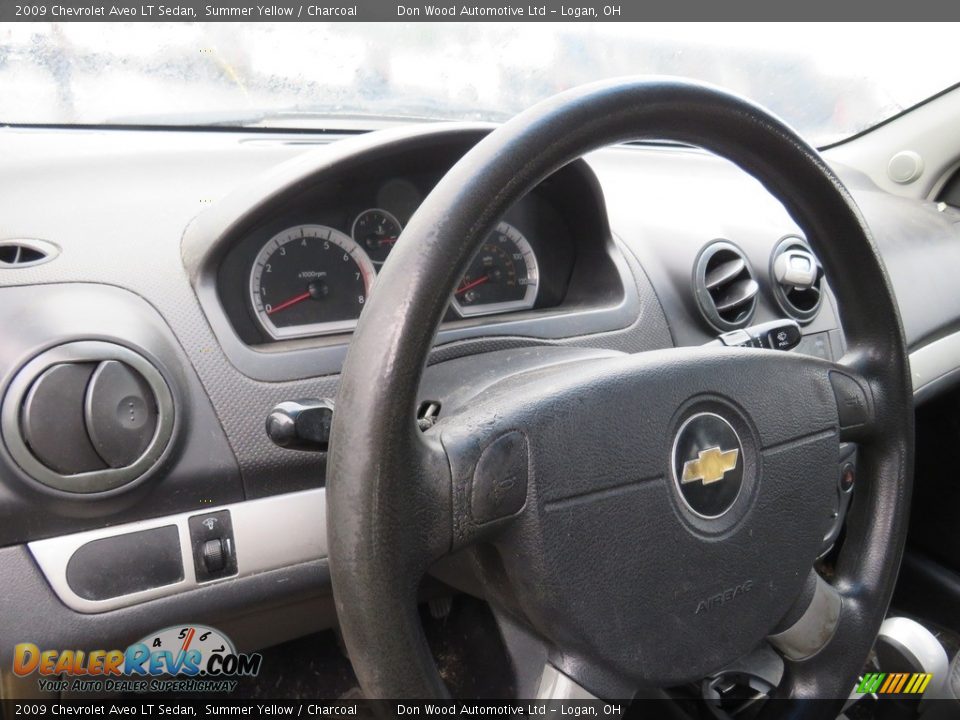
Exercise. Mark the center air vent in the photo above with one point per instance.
(724, 285)
(797, 277)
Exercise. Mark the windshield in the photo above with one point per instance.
(828, 81)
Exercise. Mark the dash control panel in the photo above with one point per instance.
(214, 549)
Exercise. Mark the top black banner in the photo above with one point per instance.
(471, 11)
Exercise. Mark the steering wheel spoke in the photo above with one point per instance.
(819, 638)
(805, 634)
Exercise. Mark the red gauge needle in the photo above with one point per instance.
(287, 303)
(188, 640)
(472, 284)
(387, 241)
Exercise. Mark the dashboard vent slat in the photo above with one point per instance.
(10, 254)
(735, 295)
(724, 273)
(26, 253)
(724, 286)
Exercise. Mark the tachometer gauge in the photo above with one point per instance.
(310, 280)
(502, 276)
(376, 230)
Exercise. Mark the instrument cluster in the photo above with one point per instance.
(312, 279)
(293, 274)
(307, 269)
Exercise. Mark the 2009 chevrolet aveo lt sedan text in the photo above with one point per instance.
(408, 361)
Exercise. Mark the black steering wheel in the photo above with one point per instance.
(574, 484)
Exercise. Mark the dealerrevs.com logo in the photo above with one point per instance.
(191, 658)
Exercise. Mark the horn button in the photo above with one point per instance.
(673, 535)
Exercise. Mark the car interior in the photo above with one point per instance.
(638, 393)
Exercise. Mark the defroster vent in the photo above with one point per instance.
(25, 253)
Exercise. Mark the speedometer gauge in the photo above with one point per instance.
(309, 280)
(502, 276)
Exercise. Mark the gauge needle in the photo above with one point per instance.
(287, 303)
(387, 241)
(472, 284)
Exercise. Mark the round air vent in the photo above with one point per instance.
(797, 277)
(87, 416)
(724, 285)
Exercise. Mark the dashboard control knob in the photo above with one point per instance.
(797, 268)
(301, 424)
(213, 547)
(214, 558)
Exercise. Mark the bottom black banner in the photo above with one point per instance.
(206, 708)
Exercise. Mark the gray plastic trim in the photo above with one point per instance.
(97, 480)
(269, 534)
(935, 360)
(554, 685)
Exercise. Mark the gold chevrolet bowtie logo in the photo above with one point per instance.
(710, 466)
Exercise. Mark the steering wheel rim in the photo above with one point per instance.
(394, 502)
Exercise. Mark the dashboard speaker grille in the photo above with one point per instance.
(724, 285)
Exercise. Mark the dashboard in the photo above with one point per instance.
(235, 264)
